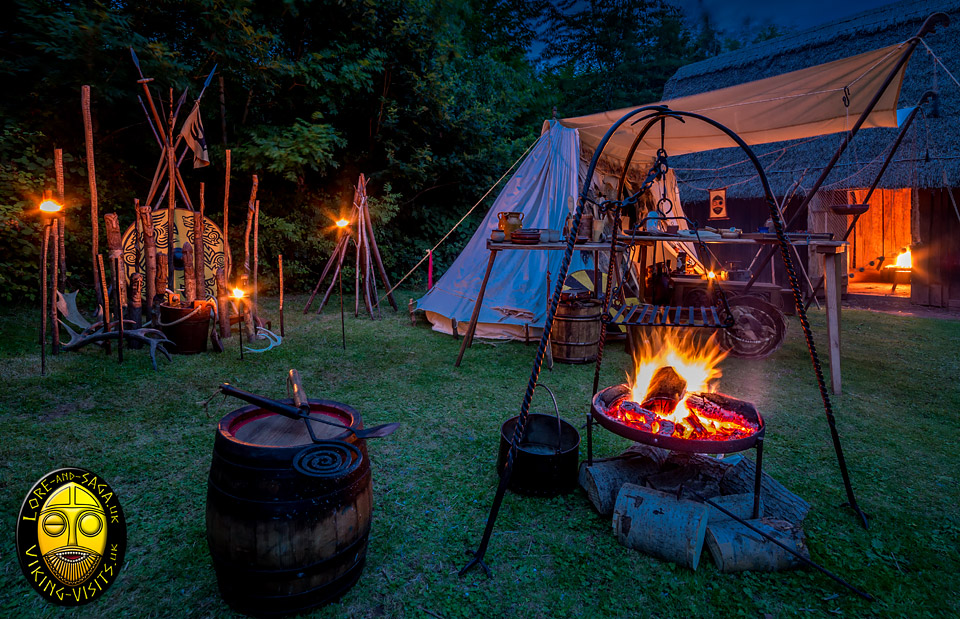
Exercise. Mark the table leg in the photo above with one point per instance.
(468, 339)
(831, 270)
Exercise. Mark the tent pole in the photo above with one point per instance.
(928, 26)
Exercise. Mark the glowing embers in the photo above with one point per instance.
(656, 399)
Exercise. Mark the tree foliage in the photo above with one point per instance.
(431, 99)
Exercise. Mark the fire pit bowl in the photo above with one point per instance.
(606, 399)
(547, 458)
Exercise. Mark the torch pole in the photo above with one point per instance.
(120, 302)
(343, 328)
(240, 311)
(43, 299)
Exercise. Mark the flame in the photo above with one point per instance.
(50, 206)
(237, 293)
(695, 360)
(904, 260)
(342, 223)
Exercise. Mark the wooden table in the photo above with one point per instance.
(493, 248)
(820, 243)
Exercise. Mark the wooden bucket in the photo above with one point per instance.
(287, 520)
(576, 332)
(189, 337)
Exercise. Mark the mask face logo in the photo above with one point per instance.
(71, 536)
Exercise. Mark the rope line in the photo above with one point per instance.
(462, 219)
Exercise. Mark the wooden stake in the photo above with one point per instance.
(256, 259)
(337, 276)
(112, 225)
(171, 194)
(150, 251)
(223, 303)
(200, 249)
(53, 282)
(120, 300)
(136, 299)
(43, 299)
(251, 205)
(227, 256)
(379, 260)
(341, 240)
(280, 273)
(189, 276)
(92, 179)
(106, 297)
(357, 241)
(161, 284)
(58, 169)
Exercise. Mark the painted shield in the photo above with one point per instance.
(133, 248)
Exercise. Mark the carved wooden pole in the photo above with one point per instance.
(251, 205)
(199, 252)
(112, 224)
(280, 273)
(92, 179)
(58, 168)
(150, 252)
(161, 285)
(106, 297)
(223, 304)
(189, 276)
(256, 258)
(227, 256)
(171, 195)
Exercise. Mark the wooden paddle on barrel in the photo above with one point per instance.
(301, 410)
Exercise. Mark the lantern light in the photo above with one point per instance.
(50, 207)
(237, 293)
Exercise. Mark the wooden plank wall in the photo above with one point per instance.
(884, 230)
(936, 276)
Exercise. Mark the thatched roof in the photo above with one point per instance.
(930, 151)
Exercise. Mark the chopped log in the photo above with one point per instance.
(603, 479)
(707, 467)
(92, 179)
(161, 285)
(778, 502)
(189, 275)
(150, 256)
(741, 505)
(199, 252)
(227, 256)
(735, 548)
(665, 384)
(223, 303)
(659, 525)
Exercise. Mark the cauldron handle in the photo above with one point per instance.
(556, 407)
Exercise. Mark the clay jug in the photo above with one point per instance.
(510, 221)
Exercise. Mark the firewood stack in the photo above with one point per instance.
(651, 495)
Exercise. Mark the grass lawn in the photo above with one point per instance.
(434, 479)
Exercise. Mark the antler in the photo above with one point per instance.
(151, 337)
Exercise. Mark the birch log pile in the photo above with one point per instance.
(660, 525)
(779, 502)
(735, 548)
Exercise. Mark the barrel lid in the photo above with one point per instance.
(255, 426)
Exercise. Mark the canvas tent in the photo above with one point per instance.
(814, 101)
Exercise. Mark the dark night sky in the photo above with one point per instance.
(732, 15)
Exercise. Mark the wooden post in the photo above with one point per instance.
(161, 285)
(344, 244)
(105, 297)
(367, 265)
(112, 225)
(120, 301)
(379, 260)
(58, 169)
(189, 276)
(256, 259)
(227, 256)
(43, 299)
(342, 240)
(171, 194)
(199, 253)
(280, 273)
(92, 179)
(223, 114)
(136, 300)
(53, 282)
(833, 272)
(150, 256)
(223, 304)
(356, 297)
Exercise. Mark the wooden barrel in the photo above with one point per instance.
(576, 332)
(287, 519)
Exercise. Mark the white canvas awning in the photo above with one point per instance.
(795, 105)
